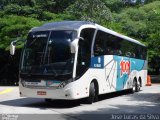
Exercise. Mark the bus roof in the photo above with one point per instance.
(118, 34)
(64, 25)
(75, 25)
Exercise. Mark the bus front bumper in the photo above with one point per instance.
(68, 93)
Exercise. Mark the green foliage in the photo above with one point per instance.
(19, 10)
(114, 5)
(12, 27)
(46, 4)
(90, 10)
(141, 22)
(61, 5)
(18, 2)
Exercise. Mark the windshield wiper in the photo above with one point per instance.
(33, 41)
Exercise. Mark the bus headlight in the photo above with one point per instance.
(64, 83)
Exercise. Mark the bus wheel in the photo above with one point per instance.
(136, 86)
(92, 93)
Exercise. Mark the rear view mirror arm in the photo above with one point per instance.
(13, 45)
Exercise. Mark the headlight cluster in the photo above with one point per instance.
(64, 83)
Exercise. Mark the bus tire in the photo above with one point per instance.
(92, 93)
(136, 86)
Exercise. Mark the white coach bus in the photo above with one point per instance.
(79, 59)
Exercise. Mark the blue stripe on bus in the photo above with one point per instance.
(97, 62)
(135, 64)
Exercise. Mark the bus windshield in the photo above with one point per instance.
(48, 53)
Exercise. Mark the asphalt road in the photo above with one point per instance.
(145, 104)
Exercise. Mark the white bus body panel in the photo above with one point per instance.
(107, 78)
(106, 72)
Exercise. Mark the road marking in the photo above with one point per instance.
(6, 91)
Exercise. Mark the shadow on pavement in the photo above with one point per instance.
(150, 98)
(146, 106)
(40, 103)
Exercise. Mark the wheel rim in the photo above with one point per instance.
(134, 86)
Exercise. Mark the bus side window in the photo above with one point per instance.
(98, 49)
(99, 44)
(133, 55)
(84, 51)
(128, 54)
(119, 52)
(108, 51)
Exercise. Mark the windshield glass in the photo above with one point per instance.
(48, 53)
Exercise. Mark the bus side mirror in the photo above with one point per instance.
(12, 47)
(81, 39)
(74, 46)
(75, 43)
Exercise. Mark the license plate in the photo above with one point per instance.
(41, 93)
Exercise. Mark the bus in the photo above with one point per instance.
(79, 59)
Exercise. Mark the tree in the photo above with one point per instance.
(13, 27)
(114, 5)
(143, 23)
(90, 10)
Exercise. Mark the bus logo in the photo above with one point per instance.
(97, 62)
(45, 71)
(124, 67)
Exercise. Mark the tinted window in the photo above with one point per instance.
(99, 44)
(107, 44)
(84, 51)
